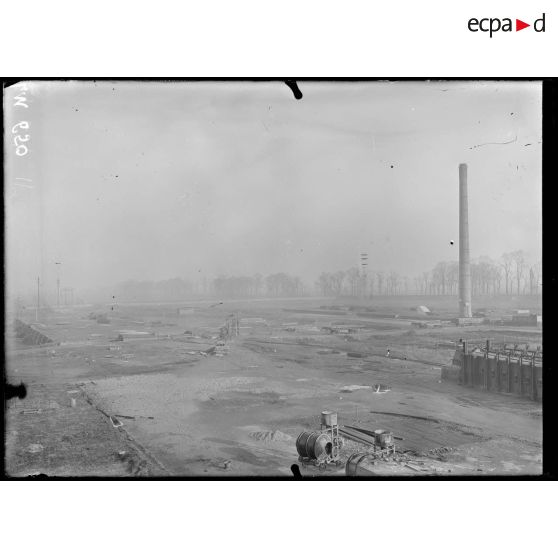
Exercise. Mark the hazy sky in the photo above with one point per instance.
(157, 180)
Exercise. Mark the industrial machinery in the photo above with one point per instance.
(320, 448)
(360, 464)
(330, 425)
(384, 440)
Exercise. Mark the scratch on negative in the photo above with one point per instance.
(495, 143)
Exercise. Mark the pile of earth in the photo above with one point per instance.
(270, 436)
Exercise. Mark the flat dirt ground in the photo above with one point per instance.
(183, 404)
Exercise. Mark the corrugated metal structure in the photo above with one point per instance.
(504, 373)
(527, 320)
(504, 370)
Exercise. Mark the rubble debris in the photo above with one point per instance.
(115, 422)
(350, 389)
(35, 448)
(129, 417)
(441, 451)
(367, 432)
(381, 388)
(423, 310)
(415, 468)
(270, 436)
(29, 335)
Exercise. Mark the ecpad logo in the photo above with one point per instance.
(493, 25)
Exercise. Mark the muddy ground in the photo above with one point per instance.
(182, 404)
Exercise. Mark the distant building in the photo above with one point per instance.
(423, 310)
(527, 319)
(185, 311)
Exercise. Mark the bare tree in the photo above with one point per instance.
(354, 281)
(452, 277)
(380, 277)
(425, 277)
(337, 279)
(418, 284)
(393, 282)
(496, 278)
(257, 283)
(507, 265)
(439, 278)
(537, 273)
(324, 284)
(371, 283)
(518, 258)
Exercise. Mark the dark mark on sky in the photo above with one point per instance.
(12, 391)
(294, 88)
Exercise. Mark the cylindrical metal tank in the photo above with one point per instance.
(329, 418)
(360, 465)
(383, 438)
(313, 445)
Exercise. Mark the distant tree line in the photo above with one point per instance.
(277, 284)
(274, 285)
(169, 289)
(511, 275)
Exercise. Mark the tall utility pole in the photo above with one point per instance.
(465, 310)
(58, 282)
(38, 301)
(364, 264)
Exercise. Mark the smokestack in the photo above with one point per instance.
(464, 258)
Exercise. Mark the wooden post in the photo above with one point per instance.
(533, 380)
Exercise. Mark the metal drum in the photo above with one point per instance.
(359, 465)
(313, 445)
(383, 438)
(329, 418)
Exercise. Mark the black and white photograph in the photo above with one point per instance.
(273, 279)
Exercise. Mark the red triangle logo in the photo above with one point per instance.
(519, 25)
